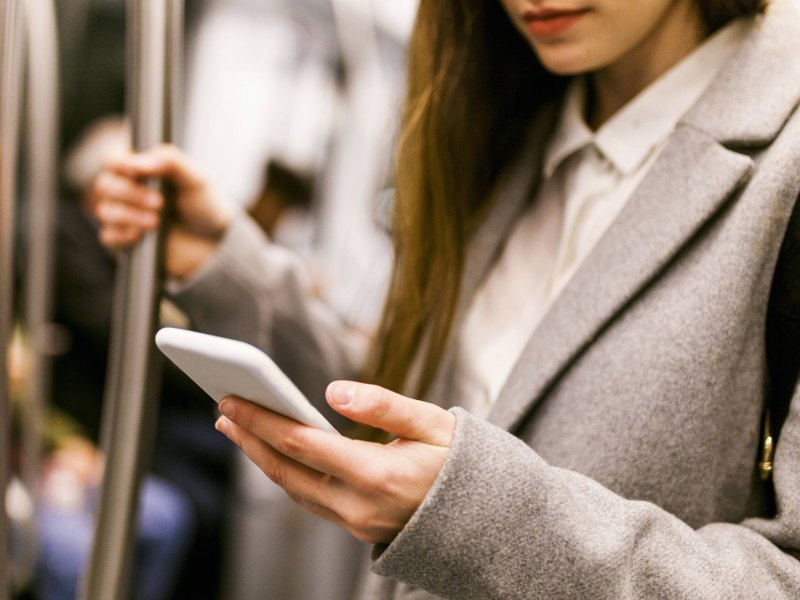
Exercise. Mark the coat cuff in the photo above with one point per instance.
(226, 296)
(450, 543)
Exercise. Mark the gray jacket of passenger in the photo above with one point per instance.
(619, 461)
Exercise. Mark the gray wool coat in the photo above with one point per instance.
(619, 461)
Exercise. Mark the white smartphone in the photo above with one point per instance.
(224, 367)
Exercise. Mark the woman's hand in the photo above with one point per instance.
(369, 489)
(127, 208)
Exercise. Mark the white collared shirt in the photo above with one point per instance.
(588, 178)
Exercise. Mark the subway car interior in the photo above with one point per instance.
(117, 485)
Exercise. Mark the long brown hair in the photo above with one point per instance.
(474, 84)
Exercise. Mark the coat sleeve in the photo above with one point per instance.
(258, 292)
(501, 523)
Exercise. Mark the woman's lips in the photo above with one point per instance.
(551, 22)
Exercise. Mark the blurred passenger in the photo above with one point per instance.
(65, 523)
(54, 533)
(287, 53)
(183, 508)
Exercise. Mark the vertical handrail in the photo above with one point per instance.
(130, 402)
(174, 71)
(42, 202)
(10, 79)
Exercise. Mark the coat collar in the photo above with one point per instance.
(756, 92)
(758, 88)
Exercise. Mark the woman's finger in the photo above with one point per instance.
(162, 161)
(114, 187)
(396, 414)
(117, 214)
(322, 451)
(296, 478)
(372, 488)
(354, 505)
(117, 237)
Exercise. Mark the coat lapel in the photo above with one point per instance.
(673, 202)
(756, 92)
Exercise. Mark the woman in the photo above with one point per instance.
(585, 240)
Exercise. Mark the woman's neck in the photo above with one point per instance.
(612, 87)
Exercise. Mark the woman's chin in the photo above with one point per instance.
(562, 61)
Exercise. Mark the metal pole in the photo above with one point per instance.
(129, 401)
(41, 189)
(10, 79)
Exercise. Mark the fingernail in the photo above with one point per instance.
(153, 199)
(222, 425)
(227, 407)
(341, 393)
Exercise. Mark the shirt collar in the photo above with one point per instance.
(636, 130)
(572, 132)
